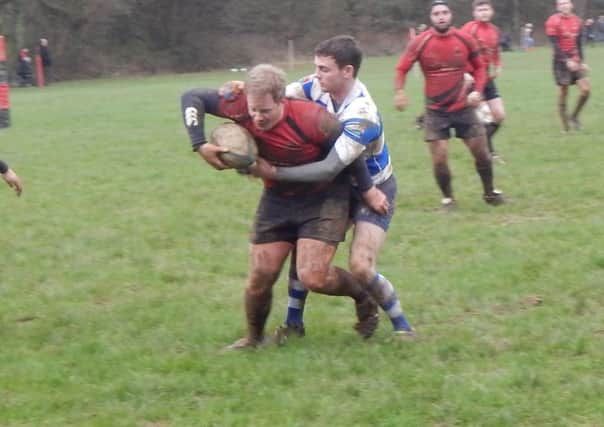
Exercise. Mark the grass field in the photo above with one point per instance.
(122, 268)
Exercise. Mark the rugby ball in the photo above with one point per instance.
(241, 144)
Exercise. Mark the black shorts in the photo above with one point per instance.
(360, 212)
(565, 77)
(438, 124)
(490, 91)
(321, 216)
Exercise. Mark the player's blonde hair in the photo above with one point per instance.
(266, 79)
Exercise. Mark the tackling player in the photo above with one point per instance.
(335, 87)
(564, 30)
(487, 36)
(445, 54)
(311, 217)
(11, 178)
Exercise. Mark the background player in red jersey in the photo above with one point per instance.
(312, 217)
(445, 54)
(487, 36)
(564, 30)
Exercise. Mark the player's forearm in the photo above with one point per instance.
(558, 53)
(480, 73)
(358, 169)
(3, 167)
(295, 90)
(402, 68)
(324, 170)
(580, 45)
(194, 105)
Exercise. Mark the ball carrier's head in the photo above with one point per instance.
(265, 92)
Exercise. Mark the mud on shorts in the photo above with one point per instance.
(438, 124)
(565, 77)
(320, 216)
(360, 212)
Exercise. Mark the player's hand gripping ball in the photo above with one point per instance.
(240, 143)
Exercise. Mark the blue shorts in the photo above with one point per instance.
(360, 212)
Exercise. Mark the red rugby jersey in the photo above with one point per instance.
(305, 134)
(567, 29)
(444, 58)
(487, 36)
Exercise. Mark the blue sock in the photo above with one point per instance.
(295, 303)
(384, 294)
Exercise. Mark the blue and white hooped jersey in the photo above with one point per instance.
(363, 128)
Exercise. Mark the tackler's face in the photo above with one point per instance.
(264, 110)
(331, 77)
(441, 17)
(483, 13)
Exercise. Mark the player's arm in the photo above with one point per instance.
(300, 89)
(11, 178)
(579, 42)
(497, 54)
(355, 136)
(405, 63)
(195, 104)
(479, 68)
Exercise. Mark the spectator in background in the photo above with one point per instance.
(600, 28)
(506, 42)
(24, 69)
(528, 42)
(46, 60)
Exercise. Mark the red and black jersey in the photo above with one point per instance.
(305, 133)
(487, 36)
(444, 58)
(567, 30)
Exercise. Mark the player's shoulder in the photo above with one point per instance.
(312, 119)
(553, 20)
(457, 32)
(361, 107)
(468, 40)
(303, 111)
(297, 105)
(421, 38)
(469, 27)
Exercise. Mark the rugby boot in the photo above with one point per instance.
(495, 198)
(447, 204)
(285, 331)
(245, 343)
(367, 314)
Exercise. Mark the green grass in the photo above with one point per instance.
(122, 268)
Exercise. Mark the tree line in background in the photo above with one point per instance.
(90, 38)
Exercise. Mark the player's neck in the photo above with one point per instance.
(339, 96)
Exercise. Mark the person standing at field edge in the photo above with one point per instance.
(445, 54)
(564, 30)
(11, 178)
(46, 60)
